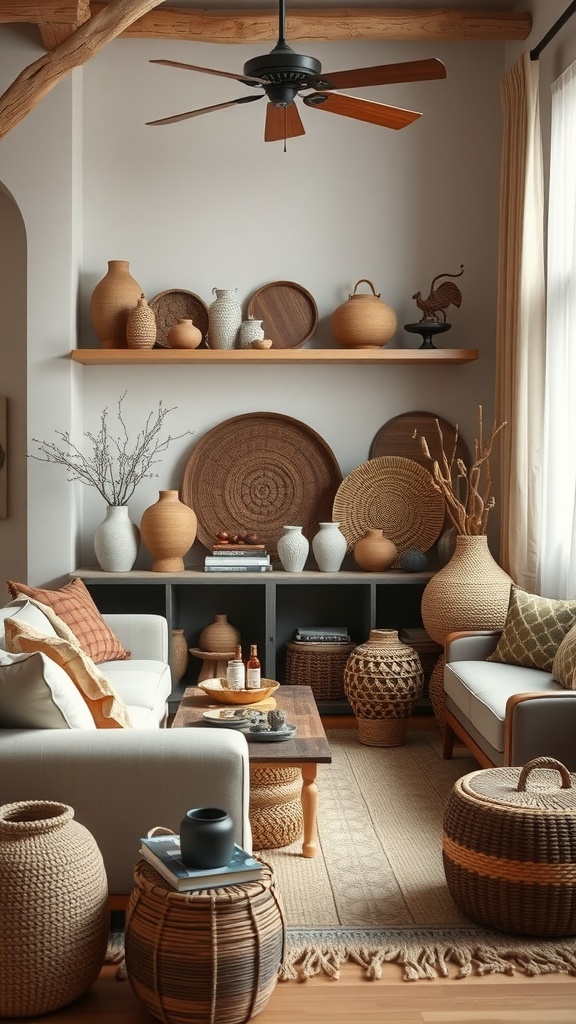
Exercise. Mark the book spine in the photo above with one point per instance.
(236, 561)
(237, 568)
(227, 552)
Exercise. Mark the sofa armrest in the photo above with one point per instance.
(143, 634)
(471, 645)
(540, 724)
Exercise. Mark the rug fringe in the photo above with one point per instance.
(422, 955)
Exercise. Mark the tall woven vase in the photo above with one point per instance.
(168, 529)
(224, 318)
(112, 300)
(383, 681)
(53, 908)
(470, 592)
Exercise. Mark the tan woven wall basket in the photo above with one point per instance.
(509, 848)
(211, 955)
(319, 666)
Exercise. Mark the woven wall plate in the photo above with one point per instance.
(260, 471)
(178, 304)
(395, 495)
(289, 312)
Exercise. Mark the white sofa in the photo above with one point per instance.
(123, 782)
(505, 714)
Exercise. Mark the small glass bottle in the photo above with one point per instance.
(235, 673)
(253, 669)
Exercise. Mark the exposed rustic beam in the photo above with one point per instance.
(40, 77)
(347, 23)
(63, 12)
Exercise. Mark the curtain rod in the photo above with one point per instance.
(570, 10)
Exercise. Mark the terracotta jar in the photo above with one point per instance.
(168, 529)
(374, 552)
(219, 635)
(383, 681)
(111, 301)
(184, 334)
(363, 321)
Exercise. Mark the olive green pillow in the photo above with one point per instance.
(564, 664)
(534, 629)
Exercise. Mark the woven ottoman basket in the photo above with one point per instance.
(275, 806)
(509, 848)
(207, 956)
(319, 666)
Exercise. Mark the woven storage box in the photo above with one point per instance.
(212, 955)
(319, 666)
(509, 848)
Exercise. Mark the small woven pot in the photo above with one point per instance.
(383, 681)
(210, 955)
(275, 807)
(509, 848)
(219, 635)
(141, 325)
(53, 908)
(363, 321)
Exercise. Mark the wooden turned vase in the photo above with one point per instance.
(168, 530)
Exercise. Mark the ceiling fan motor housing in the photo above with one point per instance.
(286, 72)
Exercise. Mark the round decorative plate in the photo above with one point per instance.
(178, 304)
(232, 718)
(260, 471)
(395, 495)
(271, 737)
(289, 312)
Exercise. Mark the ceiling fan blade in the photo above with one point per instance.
(383, 74)
(282, 123)
(247, 79)
(362, 110)
(204, 110)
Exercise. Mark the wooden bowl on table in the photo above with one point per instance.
(217, 690)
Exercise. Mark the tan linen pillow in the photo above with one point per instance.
(35, 693)
(105, 705)
(73, 603)
(564, 664)
(534, 629)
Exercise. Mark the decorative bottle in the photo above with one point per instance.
(253, 670)
(224, 318)
(293, 548)
(235, 672)
(112, 299)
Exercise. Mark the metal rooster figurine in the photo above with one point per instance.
(447, 294)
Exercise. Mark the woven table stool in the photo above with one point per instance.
(509, 848)
(319, 666)
(275, 807)
(205, 957)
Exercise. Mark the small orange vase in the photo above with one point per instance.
(168, 530)
(374, 552)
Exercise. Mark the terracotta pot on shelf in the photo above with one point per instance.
(184, 334)
(168, 529)
(111, 302)
(374, 552)
(219, 635)
(363, 321)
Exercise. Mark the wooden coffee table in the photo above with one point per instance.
(306, 750)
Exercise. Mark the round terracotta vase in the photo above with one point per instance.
(184, 334)
(383, 680)
(168, 529)
(374, 552)
(111, 302)
(470, 592)
(219, 635)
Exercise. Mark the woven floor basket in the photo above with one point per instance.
(509, 848)
(207, 956)
(275, 807)
(319, 666)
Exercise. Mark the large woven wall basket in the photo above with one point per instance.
(211, 955)
(509, 848)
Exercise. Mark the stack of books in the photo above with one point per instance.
(238, 558)
(163, 853)
(322, 634)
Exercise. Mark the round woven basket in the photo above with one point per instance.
(53, 908)
(275, 807)
(319, 666)
(509, 848)
(210, 955)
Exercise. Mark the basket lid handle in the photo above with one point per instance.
(544, 762)
(364, 280)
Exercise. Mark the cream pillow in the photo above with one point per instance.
(35, 693)
(106, 706)
(564, 664)
(27, 611)
(534, 629)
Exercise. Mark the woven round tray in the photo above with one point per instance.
(178, 304)
(392, 494)
(260, 471)
(211, 955)
(509, 848)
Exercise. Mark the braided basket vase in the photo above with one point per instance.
(509, 848)
(383, 680)
(53, 908)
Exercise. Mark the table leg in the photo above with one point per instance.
(309, 801)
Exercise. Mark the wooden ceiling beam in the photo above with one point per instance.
(66, 12)
(321, 25)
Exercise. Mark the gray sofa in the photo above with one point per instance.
(123, 782)
(505, 714)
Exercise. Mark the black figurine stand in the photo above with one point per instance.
(427, 329)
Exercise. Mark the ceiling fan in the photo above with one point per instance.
(282, 75)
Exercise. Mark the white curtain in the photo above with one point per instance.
(558, 523)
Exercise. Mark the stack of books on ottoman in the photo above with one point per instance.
(238, 558)
(163, 853)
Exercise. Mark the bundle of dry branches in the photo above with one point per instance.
(466, 491)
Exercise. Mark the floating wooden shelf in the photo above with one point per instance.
(223, 357)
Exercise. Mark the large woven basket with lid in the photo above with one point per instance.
(509, 848)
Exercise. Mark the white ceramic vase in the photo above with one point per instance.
(293, 548)
(250, 330)
(329, 547)
(116, 540)
(224, 318)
